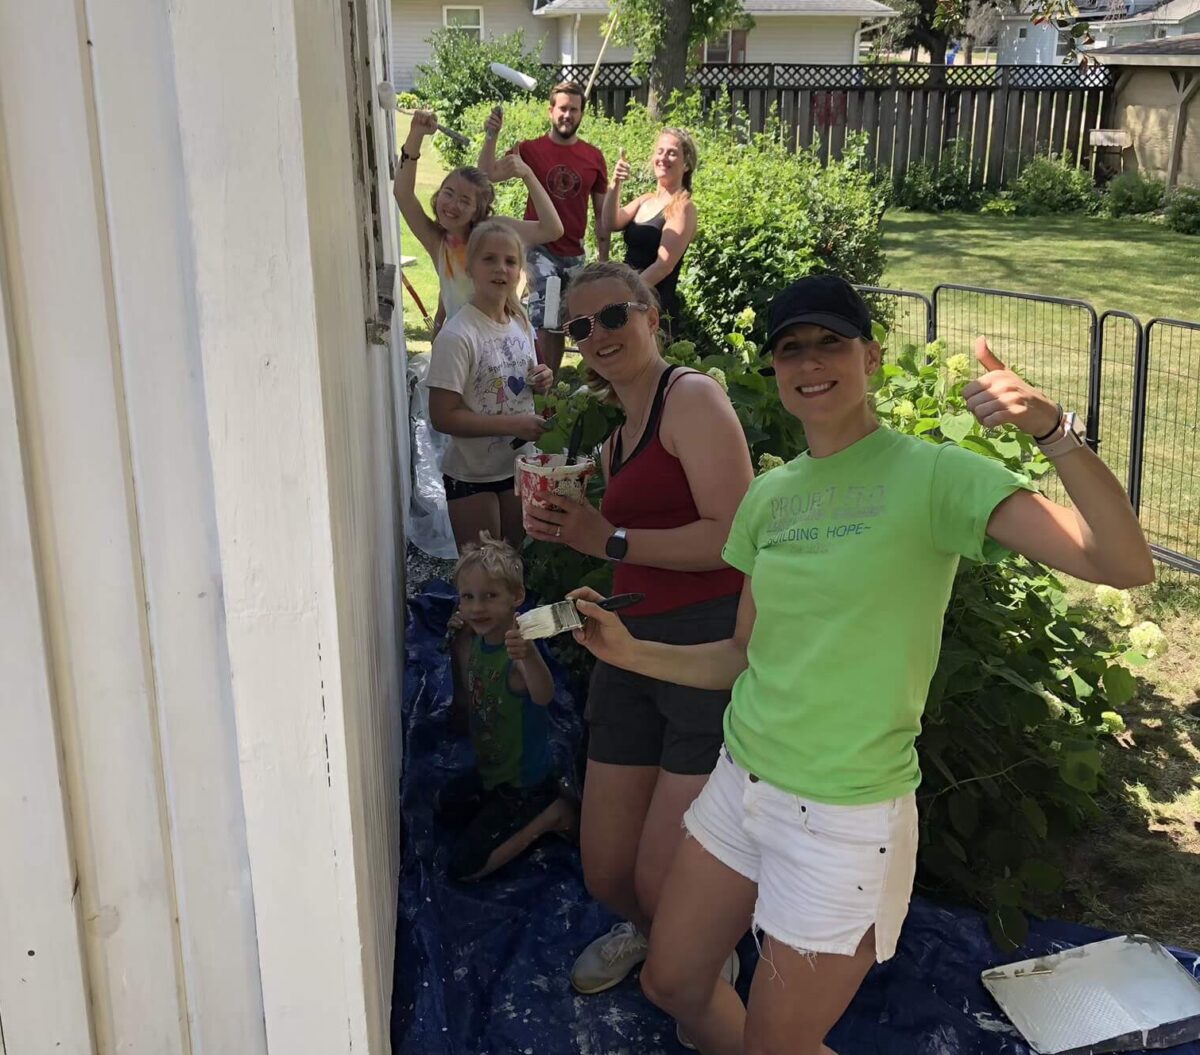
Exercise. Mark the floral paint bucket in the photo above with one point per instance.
(541, 476)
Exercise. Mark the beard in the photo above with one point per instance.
(566, 128)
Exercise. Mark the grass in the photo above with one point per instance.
(1125, 264)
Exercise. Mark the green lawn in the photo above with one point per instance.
(1124, 264)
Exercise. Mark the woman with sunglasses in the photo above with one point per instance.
(807, 828)
(659, 225)
(676, 471)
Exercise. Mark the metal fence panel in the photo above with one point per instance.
(908, 316)
(1170, 472)
(1119, 348)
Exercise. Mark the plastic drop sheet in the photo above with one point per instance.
(482, 968)
(426, 520)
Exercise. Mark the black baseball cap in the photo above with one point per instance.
(823, 300)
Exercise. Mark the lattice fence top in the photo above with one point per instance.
(801, 76)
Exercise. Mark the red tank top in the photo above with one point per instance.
(649, 489)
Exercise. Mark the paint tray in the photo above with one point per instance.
(1122, 994)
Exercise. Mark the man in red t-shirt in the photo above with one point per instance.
(572, 171)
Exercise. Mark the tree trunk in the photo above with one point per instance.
(968, 49)
(668, 69)
(935, 42)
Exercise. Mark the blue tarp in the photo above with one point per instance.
(482, 967)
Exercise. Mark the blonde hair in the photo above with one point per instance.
(498, 560)
(486, 229)
(640, 291)
(485, 194)
(691, 158)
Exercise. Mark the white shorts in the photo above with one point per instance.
(825, 874)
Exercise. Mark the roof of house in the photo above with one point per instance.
(1170, 11)
(849, 8)
(1166, 51)
(1189, 44)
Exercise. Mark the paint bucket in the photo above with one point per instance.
(541, 476)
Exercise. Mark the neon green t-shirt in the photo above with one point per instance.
(851, 559)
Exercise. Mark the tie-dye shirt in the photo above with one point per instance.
(454, 283)
(488, 363)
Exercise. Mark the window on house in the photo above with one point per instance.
(1022, 33)
(720, 48)
(467, 20)
(1062, 47)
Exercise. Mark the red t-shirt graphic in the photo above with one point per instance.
(571, 175)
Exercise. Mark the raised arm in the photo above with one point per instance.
(616, 217)
(1099, 539)
(715, 665)
(491, 129)
(678, 232)
(548, 226)
(424, 123)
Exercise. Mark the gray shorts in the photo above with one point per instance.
(638, 721)
(541, 264)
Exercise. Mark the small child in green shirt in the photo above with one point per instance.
(511, 798)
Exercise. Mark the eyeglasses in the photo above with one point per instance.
(611, 317)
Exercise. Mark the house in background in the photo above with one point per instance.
(571, 31)
(1022, 42)
(1174, 18)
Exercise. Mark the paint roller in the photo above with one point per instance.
(521, 80)
(389, 101)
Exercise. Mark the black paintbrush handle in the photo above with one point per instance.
(575, 440)
(621, 600)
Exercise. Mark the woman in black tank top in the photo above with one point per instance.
(660, 224)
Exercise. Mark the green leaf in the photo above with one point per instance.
(956, 426)
(1119, 686)
(1035, 815)
(1134, 658)
(1079, 769)
(964, 813)
(1041, 875)
(924, 425)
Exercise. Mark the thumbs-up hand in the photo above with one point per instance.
(621, 171)
(1000, 397)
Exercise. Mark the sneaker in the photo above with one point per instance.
(609, 959)
(729, 972)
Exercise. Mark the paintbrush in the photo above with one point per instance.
(388, 100)
(558, 618)
(574, 442)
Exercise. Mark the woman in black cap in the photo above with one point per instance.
(807, 828)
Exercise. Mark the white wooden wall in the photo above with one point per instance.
(199, 553)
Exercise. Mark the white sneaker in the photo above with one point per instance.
(609, 959)
(729, 972)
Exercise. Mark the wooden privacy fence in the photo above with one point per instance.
(997, 116)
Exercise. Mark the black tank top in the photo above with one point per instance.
(642, 241)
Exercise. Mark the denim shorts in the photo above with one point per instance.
(825, 873)
(541, 264)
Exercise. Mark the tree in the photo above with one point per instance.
(666, 33)
(928, 24)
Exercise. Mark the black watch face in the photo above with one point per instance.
(616, 547)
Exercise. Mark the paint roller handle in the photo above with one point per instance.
(494, 122)
(426, 122)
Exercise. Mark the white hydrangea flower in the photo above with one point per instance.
(904, 410)
(958, 366)
(1117, 603)
(745, 320)
(1148, 639)
(718, 375)
(767, 462)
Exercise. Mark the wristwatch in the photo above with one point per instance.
(617, 545)
(1067, 436)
